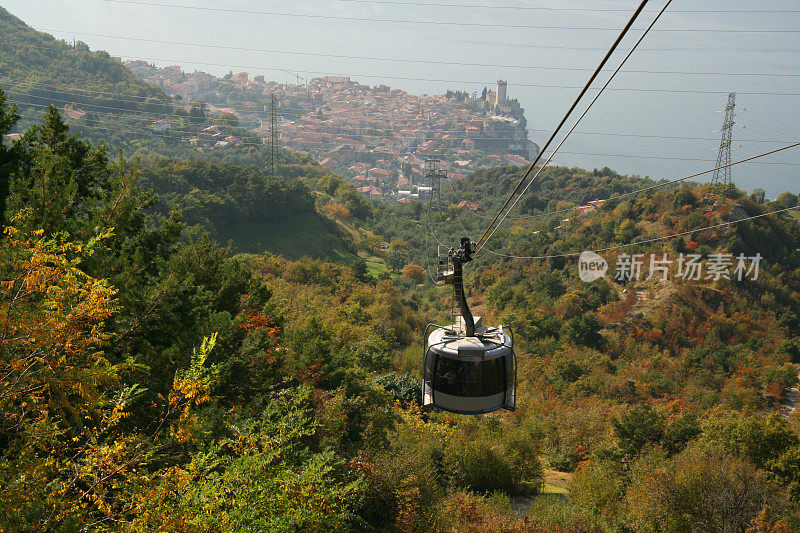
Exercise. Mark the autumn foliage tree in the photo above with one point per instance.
(60, 397)
(414, 272)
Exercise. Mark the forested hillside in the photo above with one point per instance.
(557, 189)
(99, 96)
(276, 393)
(153, 378)
(225, 191)
(153, 382)
(38, 69)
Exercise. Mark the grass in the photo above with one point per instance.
(375, 263)
(547, 488)
(301, 236)
(375, 269)
(555, 482)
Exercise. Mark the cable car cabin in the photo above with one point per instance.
(467, 367)
(469, 374)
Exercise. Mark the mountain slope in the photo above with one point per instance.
(37, 69)
(225, 191)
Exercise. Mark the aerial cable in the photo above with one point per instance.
(134, 113)
(659, 185)
(575, 125)
(597, 71)
(65, 91)
(541, 8)
(388, 59)
(473, 82)
(143, 129)
(619, 246)
(426, 22)
(501, 45)
(62, 91)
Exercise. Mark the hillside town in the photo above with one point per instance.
(378, 137)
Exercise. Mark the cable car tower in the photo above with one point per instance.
(468, 368)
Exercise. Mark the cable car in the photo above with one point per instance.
(468, 368)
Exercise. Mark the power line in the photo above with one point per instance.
(134, 129)
(348, 132)
(350, 136)
(664, 184)
(643, 136)
(672, 236)
(490, 230)
(539, 215)
(664, 158)
(426, 22)
(92, 93)
(63, 89)
(440, 80)
(384, 59)
(591, 49)
(568, 9)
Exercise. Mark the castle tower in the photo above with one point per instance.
(501, 92)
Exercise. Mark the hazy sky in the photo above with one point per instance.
(697, 58)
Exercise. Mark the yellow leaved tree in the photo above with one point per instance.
(59, 397)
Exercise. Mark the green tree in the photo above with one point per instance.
(584, 329)
(756, 438)
(699, 492)
(637, 428)
(263, 477)
(787, 199)
(758, 195)
(60, 178)
(197, 112)
(8, 117)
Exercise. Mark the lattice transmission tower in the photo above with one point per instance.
(273, 130)
(722, 176)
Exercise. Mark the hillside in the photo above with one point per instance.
(623, 375)
(99, 97)
(37, 69)
(156, 380)
(641, 403)
(222, 190)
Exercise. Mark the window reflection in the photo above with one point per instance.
(470, 378)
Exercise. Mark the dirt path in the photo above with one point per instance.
(792, 399)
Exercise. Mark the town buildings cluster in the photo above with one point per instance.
(378, 137)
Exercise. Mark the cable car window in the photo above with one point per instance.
(470, 378)
(494, 376)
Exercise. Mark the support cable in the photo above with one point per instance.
(659, 185)
(486, 234)
(619, 246)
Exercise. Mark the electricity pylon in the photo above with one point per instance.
(722, 176)
(272, 132)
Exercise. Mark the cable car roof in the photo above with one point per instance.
(488, 343)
